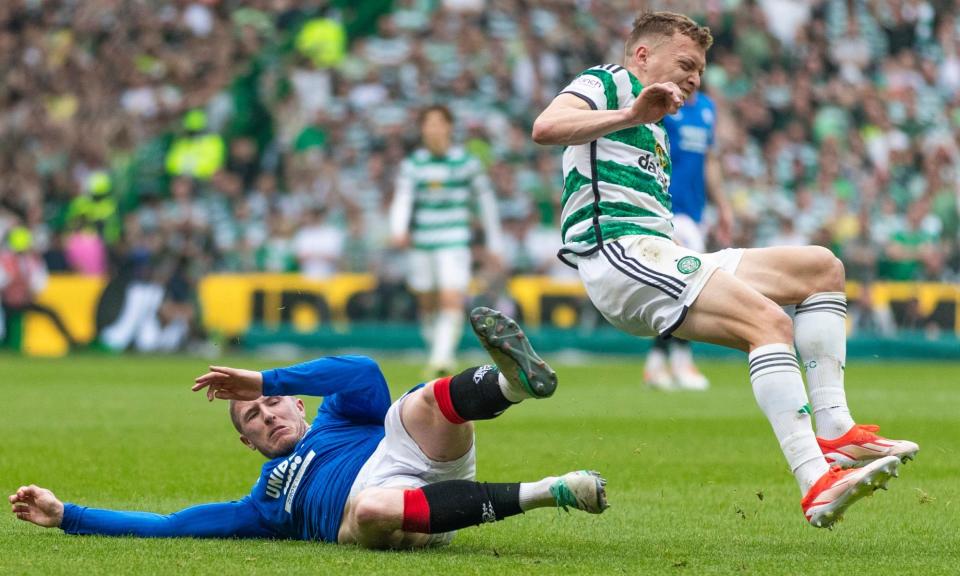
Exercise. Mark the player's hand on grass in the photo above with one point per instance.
(37, 505)
(656, 101)
(228, 383)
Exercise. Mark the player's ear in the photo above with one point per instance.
(300, 407)
(246, 442)
(640, 53)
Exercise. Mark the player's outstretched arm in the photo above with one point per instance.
(571, 120)
(219, 520)
(353, 384)
(37, 505)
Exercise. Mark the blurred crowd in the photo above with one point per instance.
(162, 141)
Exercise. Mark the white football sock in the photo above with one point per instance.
(428, 323)
(778, 388)
(681, 357)
(820, 332)
(510, 392)
(446, 337)
(537, 494)
(656, 360)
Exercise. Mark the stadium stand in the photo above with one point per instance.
(839, 125)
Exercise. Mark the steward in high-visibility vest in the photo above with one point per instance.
(197, 153)
(323, 41)
(96, 207)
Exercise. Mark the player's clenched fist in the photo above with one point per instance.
(656, 101)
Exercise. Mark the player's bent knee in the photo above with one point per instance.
(427, 396)
(371, 511)
(836, 277)
(377, 517)
(830, 274)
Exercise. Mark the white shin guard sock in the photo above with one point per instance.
(537, 494)
(820, 333)
(778, 388)
(446, 337)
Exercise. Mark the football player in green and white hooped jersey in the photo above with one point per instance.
(617, 231)
(436, 190)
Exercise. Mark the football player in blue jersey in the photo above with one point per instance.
(697, 176)
(365, 471)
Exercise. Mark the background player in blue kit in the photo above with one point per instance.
(366, 471)
(697, 175)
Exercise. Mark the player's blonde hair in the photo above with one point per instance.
(667, 24)
(234, 417)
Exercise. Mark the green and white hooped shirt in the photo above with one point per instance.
(434, 197)
(617, 185)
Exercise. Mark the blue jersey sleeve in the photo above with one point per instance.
(353, 387)
(238, 519)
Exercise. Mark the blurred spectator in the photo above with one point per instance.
(23, 276)
(96, 209)
(319, 246)
(277, 253)
(842, 123)
(532, 247)
(197, 153)
(323, 41)
(914, 253)
(84, 250)
(157, 306)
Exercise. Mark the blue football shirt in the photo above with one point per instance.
(691, 134)
(301, 495)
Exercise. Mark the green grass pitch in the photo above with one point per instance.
(696, 481)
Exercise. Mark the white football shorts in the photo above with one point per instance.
(398, 462)
(440, 269)
(644, 285)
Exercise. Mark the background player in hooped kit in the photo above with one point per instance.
(617, 230)
(696, 175)
(436, 189)
(366, 471)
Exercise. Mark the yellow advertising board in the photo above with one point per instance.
(74, 299)
(230, 304)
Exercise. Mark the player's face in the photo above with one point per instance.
(678, 59)
(436, 132)
(271, 424)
